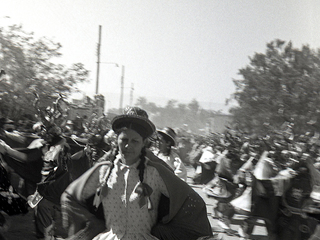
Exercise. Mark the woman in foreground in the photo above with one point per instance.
(132, 197)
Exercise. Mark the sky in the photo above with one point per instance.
(169, 49)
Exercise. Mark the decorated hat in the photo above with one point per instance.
(169, 133)
(134, 118)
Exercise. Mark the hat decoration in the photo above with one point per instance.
(169, 133)
(134, 118)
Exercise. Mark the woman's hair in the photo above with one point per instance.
(167, 140)
(116, 151)
(141, 165)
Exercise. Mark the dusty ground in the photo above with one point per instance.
(22, 226)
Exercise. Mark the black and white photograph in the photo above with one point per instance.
(160, 120)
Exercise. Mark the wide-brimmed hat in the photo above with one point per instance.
(169, 133)
(134, 118)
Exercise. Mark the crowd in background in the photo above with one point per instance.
(282, 150)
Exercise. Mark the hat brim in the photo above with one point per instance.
(121, 121)
(167, 135)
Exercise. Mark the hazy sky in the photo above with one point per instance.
(171, 49)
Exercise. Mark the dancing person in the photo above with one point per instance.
(44, 164)
(168, 155)
(132, 197)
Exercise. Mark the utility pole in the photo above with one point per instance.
(131, 95)
(122, 83)
(98, 60)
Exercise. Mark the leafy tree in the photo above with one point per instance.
(281, 85)
(148, 106)
(29, 66)
(142, 102)
(194, 106)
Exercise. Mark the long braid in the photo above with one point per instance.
(114, 153)
(141, 165)
(94, 200)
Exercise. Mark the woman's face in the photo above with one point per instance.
(163, 145)
(130, 145)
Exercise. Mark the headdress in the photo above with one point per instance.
(170, 134)
(134, 118)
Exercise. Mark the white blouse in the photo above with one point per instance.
(124, 217)
(174, 161)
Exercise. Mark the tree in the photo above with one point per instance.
(194, 106)
(177, 115)
(29, 66)
(141, 102)
(148, 106)
(281, 85)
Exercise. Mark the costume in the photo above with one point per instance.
(10, 202)
(55, 178)
(172, 158)
(181, 216)
(208, 165)
(174, 161)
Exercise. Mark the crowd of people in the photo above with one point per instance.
(130, 185)
(123, 178)
(275, 178)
